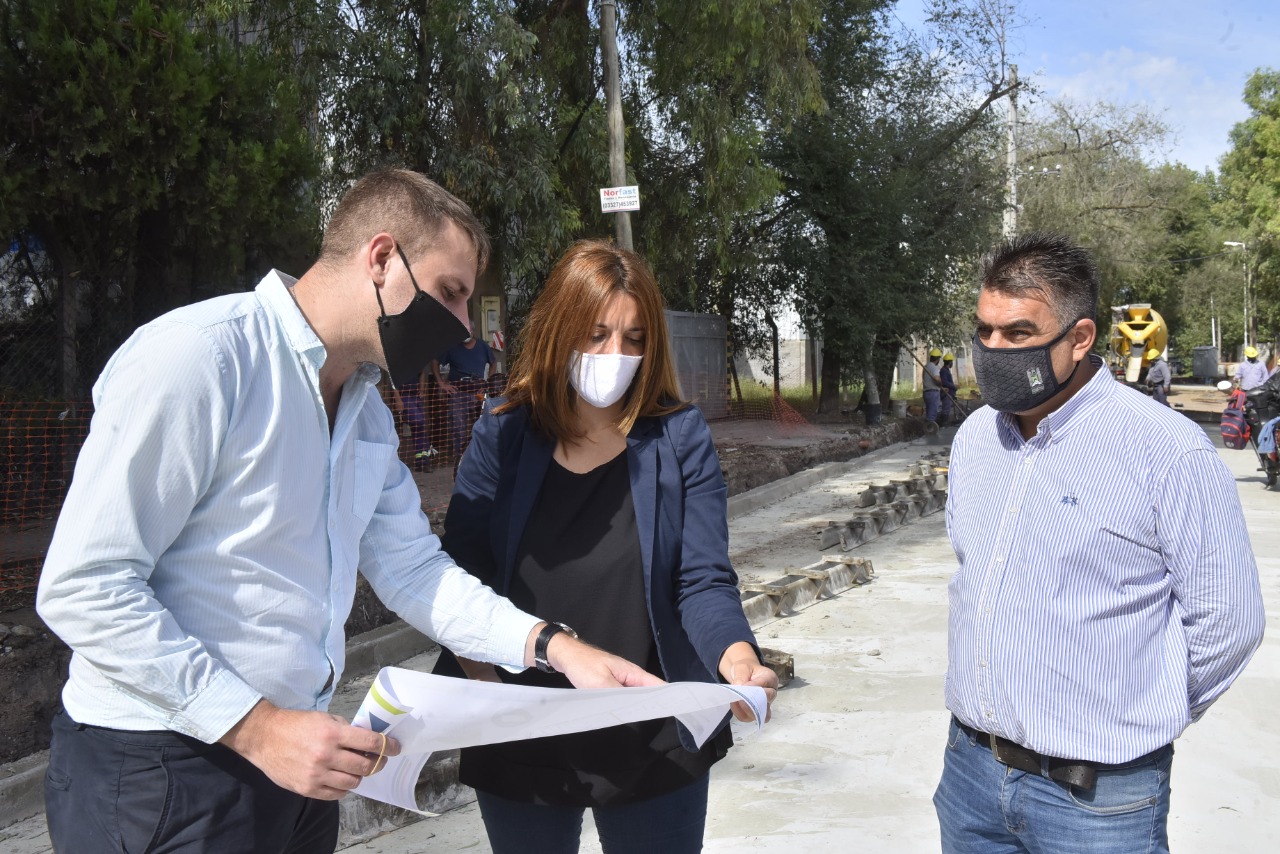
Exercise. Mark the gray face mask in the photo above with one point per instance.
(1017, 379)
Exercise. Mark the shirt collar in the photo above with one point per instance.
(274, 291)
(1094, 393)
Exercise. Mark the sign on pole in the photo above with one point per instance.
(614, 199)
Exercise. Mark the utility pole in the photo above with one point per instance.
(1213, 324)
(1248, 280)
(613, 104)
(1251, 333)
(1011, 202)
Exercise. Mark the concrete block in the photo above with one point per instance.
(781, 663)
(831, 535)
(22, 788)
(937, 501)
(905, 487)
(801, 587)
(887, 519)
(758, 607)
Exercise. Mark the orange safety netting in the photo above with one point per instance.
(39, 443)
(20, 575)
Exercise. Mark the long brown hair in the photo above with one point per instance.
(561, 321)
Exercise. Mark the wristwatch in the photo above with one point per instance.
(549, 631)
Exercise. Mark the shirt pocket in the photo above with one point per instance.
(372, 460)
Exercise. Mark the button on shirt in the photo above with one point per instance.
(1107, 593)
(206, 554)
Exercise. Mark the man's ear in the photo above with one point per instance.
(378, 253)
(1084, 334)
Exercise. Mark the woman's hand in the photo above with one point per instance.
(740, 666)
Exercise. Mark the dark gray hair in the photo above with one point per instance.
(1050, 264)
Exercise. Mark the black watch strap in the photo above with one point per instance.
(549, 631)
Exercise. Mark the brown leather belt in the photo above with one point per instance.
(1073, 772)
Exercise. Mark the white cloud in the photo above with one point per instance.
(1199, 110)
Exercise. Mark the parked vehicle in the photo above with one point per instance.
(1261, 412)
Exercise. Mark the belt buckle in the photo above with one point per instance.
(1014, 755)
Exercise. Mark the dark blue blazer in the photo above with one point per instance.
(679, 494)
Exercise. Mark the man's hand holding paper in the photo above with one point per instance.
(428, 713)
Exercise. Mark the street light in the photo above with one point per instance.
(1244, 247)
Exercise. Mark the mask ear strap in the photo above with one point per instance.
(408, 269)
(377, 291)
(1079, 362)
(1066, 331)
(1072, 375)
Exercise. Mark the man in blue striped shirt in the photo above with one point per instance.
(1106, 594)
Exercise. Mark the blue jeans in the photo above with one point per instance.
(985, 807)
(932, 400)
(672, 824)
(945, 405)
(415, 412)
(462, 406)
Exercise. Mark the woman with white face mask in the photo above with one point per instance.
(592, 496)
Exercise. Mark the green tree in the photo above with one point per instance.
(502, 102)
(707, 84)
(1251, 177)
(1152, 229)
(885, 193)
(466, 92)
(151, 156)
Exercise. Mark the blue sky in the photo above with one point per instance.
(1186, 60)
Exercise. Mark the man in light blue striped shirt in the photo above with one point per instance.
(240, 465)
(1107, 593)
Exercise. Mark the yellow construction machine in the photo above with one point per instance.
(1135, 329)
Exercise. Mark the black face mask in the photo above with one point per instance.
(415, 336)
(1017, 379)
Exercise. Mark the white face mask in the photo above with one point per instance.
(601, 379)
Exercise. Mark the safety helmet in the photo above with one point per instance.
(947, 357)
(1251, 352)
(1153, 354)
(935, 353)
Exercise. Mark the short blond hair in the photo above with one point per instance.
(407, 205)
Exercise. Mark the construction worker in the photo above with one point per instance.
(1159, 377)
(1252, 372)
(932, 385)
(948, 383)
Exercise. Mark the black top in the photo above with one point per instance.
(579, 563)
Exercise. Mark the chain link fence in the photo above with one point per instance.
(41, 433)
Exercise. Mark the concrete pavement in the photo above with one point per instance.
(854, 751)
(855, 748)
